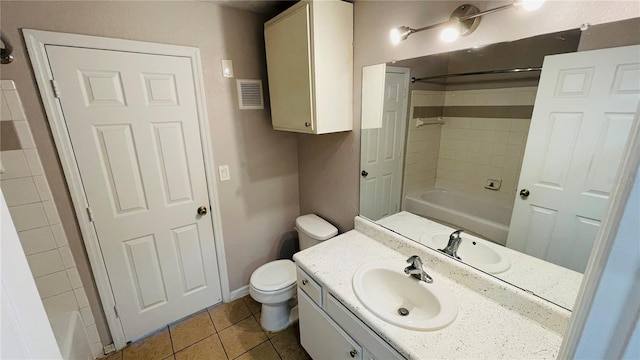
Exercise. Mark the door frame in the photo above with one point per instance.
(36, 41)
(405, 123)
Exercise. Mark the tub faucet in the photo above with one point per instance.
(415, 269)
(454, 243)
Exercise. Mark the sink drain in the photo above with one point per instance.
(403, 312)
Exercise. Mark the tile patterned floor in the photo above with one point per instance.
(223, 332)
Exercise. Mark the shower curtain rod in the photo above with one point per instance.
(504, 71)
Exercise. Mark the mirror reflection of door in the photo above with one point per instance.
(382, 144)
(584, 112)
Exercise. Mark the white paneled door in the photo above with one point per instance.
(133, 124)
(382, 151)
(584, 111)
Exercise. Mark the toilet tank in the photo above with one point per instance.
(312, 229)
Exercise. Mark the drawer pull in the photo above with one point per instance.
(353, 353)
(305, 282)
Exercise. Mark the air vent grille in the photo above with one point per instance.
(250, 94)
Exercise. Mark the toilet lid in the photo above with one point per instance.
(274, 275)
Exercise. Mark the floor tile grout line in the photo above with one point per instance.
(226, 354)
(275, 349)
(217, 332)
(190, 317)
(199, 341)
(247, 305)
(251, 349)
(173, 350)
(215, 328)
(243, 319)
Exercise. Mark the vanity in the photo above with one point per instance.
(493, 320)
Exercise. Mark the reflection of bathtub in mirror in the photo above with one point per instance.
(474, 215)
(554, 283)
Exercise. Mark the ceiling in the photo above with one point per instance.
(258, 6)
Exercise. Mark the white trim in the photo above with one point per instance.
(596, 266)
(36, 41)
(238, 293)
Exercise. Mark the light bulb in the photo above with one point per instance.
(395, 37)
(399, 34)
(531, 5)
(449, 34)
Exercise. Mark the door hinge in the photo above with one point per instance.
(90, 214)
(115, 310)
(56, 88)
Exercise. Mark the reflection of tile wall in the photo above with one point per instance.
(484, 136)
(423, 143)
(35, 216)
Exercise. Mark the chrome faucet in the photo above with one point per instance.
(454, 243)
(415, 269)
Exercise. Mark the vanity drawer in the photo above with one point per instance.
(309, 286)
(374, 346)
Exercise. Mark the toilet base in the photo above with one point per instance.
(277, 317)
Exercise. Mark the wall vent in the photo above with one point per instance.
(250, 94)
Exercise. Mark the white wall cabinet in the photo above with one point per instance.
(328, 330)
(310, 66)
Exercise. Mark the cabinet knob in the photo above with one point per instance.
(305, 282)
(307, 124)
(353, 353)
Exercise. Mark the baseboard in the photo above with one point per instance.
(238, 293)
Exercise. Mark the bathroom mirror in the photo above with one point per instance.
(452, 148)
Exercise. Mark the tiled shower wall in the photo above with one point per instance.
(35, 216)
(483, 138)
(423, 142)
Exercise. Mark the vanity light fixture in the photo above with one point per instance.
(463, 21)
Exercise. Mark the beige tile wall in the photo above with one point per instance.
(35, 216)
(423, 144)
(473, 150)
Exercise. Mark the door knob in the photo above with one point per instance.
(202, 210)
(524, 193)
(364, 173)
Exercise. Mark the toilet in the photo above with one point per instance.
(274, 284)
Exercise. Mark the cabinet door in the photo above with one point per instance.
(289, 69)
(321, 337)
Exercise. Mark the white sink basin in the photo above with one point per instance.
(476, 252)
(383, 288)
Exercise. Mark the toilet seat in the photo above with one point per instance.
(274, 276)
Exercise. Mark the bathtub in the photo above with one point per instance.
(461, 211)
(71, 336)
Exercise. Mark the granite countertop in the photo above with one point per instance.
(484, 328)
(549, 281)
